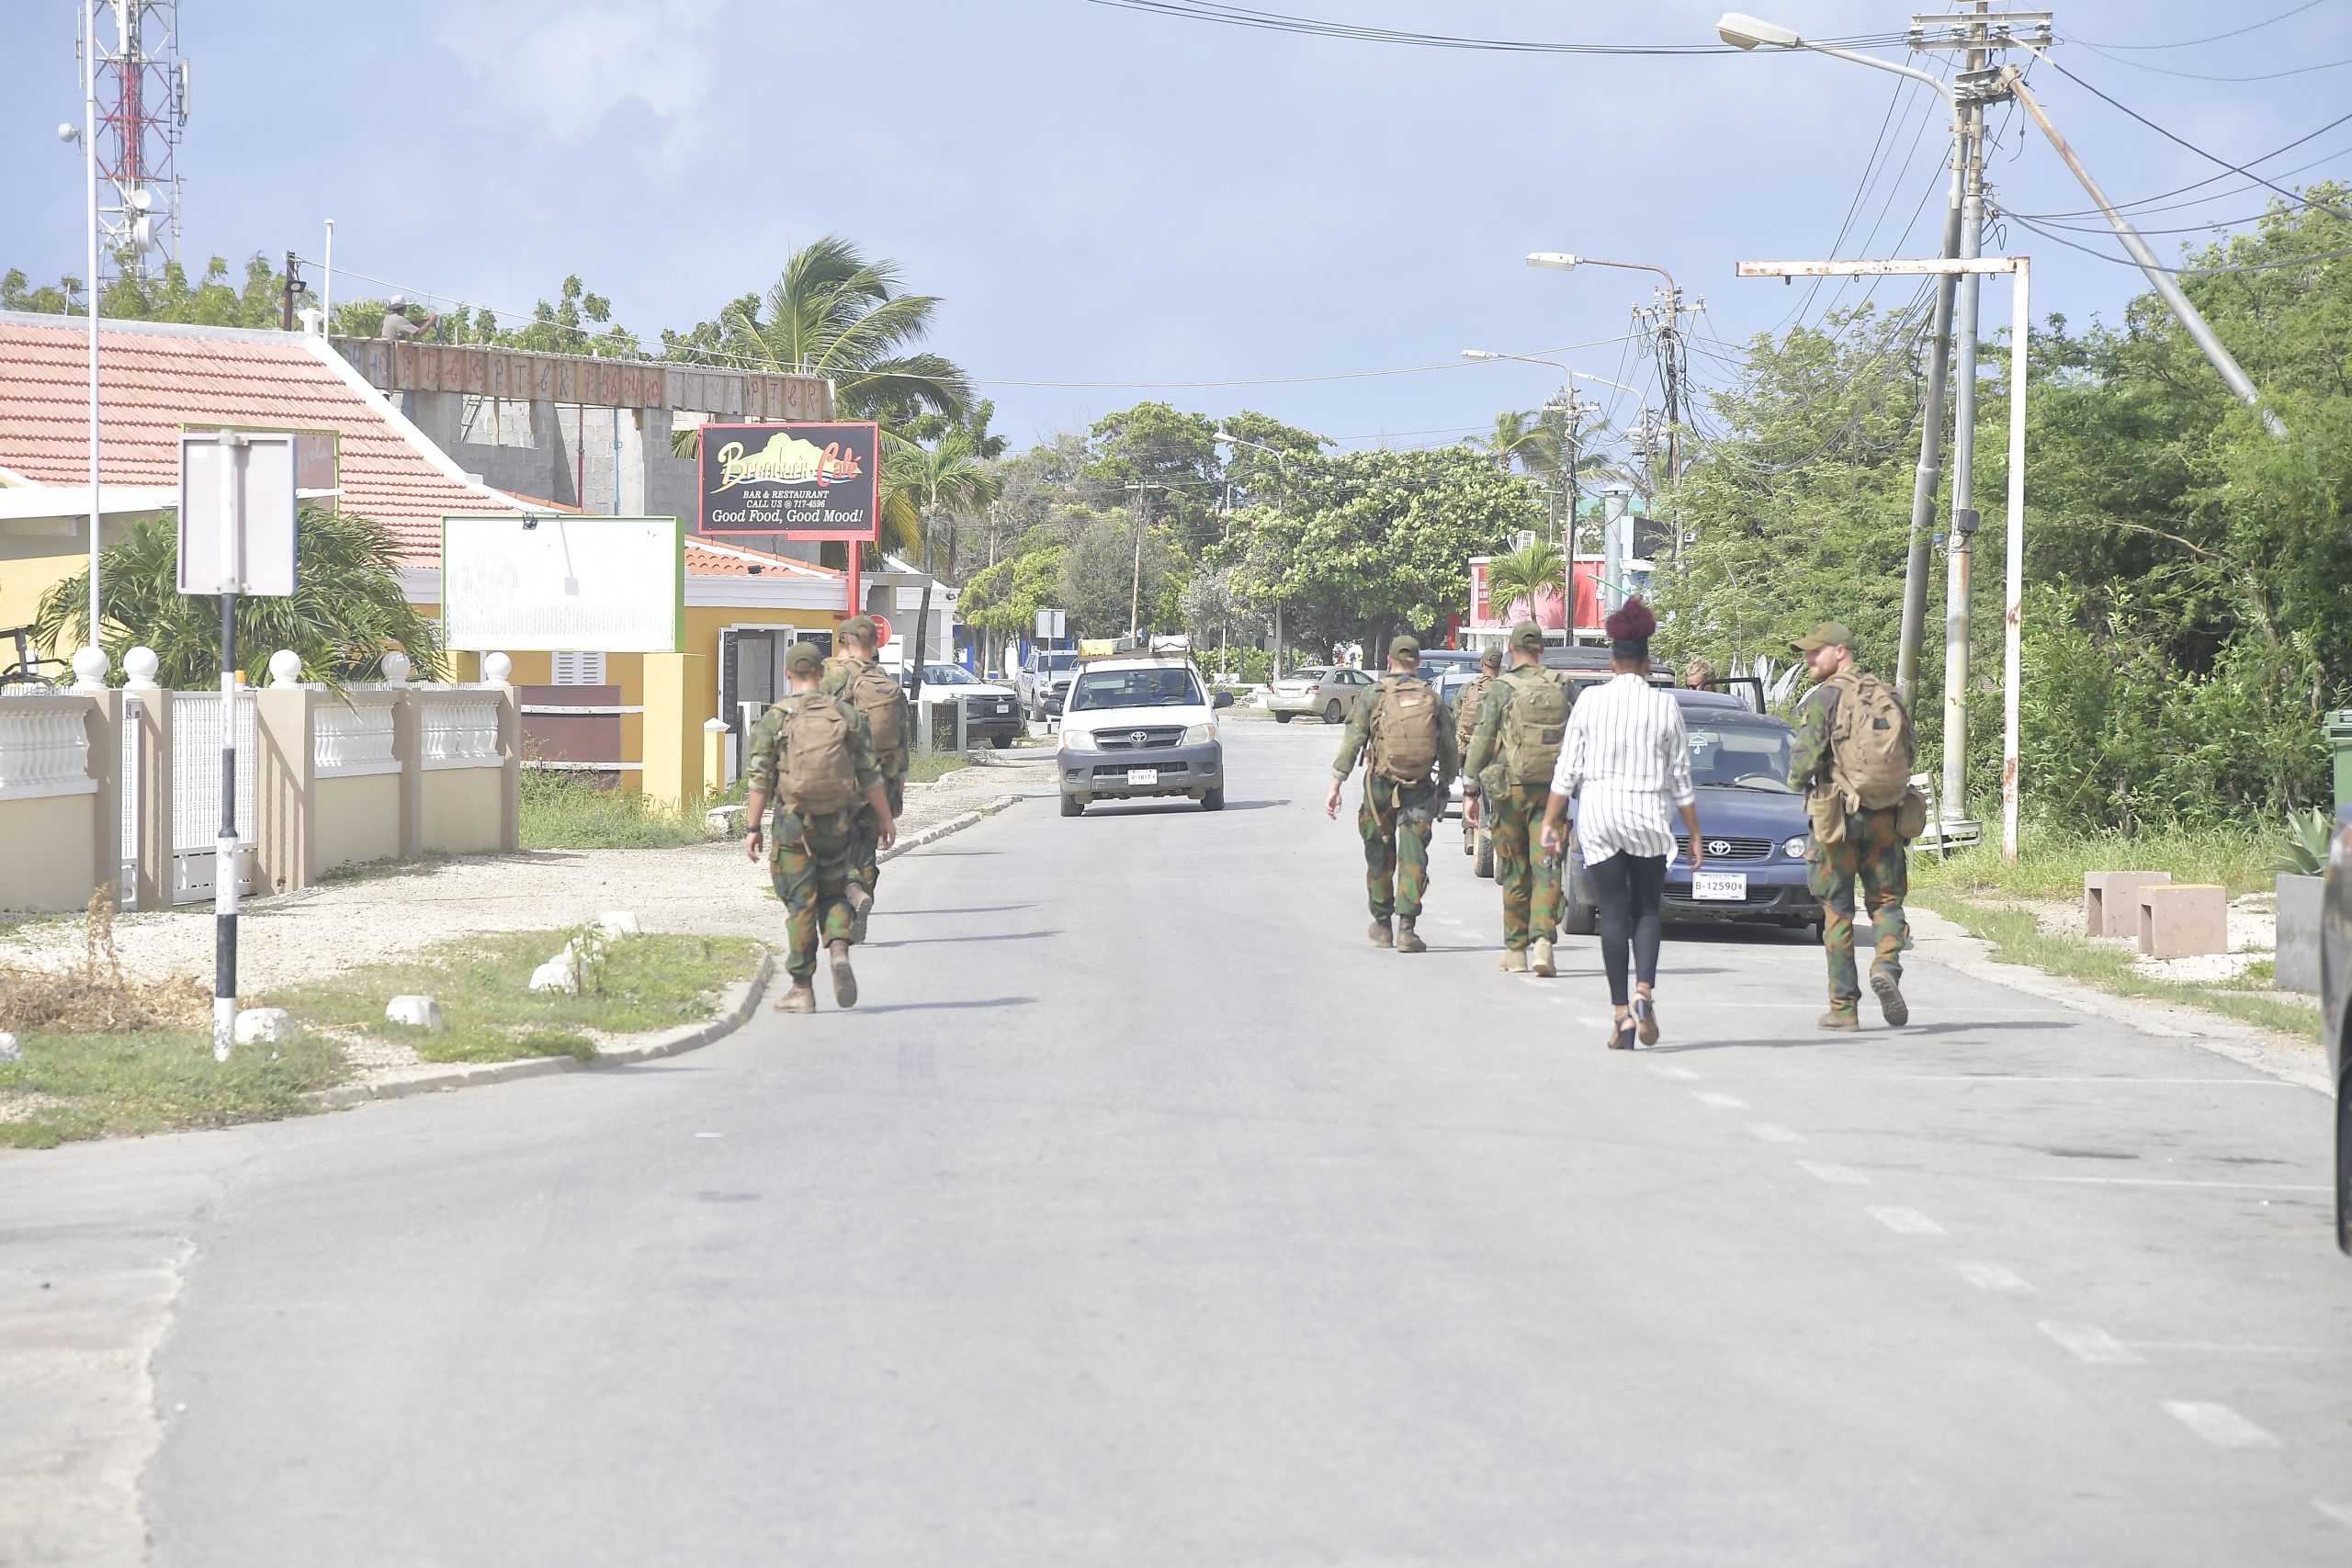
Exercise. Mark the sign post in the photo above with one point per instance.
(237, 522)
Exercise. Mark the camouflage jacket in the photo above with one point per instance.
(839, 671)
(763, 755)
(1357, 736)
(1487, 729)
(1465, 709)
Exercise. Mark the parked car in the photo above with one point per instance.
(2335, 993)
(991, 713)
(1323, 689)
(1137, 725)
(1043, 681)
(1750, 820)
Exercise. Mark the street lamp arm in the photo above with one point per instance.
(1942, 89)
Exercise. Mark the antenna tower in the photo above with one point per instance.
(141, 86)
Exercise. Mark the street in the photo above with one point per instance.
(1145, 1213)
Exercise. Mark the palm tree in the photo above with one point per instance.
(1523, 574)
(1525, 439)
(931, 482)
(836, 312)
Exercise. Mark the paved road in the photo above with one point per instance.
(1147, 1214)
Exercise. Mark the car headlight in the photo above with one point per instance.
(1201, 734)
(1077, 740)
(1796, 847)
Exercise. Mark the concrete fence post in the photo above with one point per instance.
(153, 823)
(408, 749)
(104, 728)
(285, 784)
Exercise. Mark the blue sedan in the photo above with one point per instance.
(1750, 822)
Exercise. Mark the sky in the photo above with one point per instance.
(1109, 201)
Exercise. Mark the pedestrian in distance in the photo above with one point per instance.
(854, 673)
(1465, 719)
(1514, 752)
(812, 755)
(1699, 673)
(1627, 761)
(1852, 761)
(1398, 728)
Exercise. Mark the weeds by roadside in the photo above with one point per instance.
(929, 767)
(94, 996)
(70, 1086)
(560, 812)
(2050, 862)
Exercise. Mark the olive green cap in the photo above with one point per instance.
(1407, 646)
(1492, 658)
(803, 658)
(859, 626)
(1828, 634)
(1527, 635)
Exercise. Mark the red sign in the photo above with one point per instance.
(881, 631)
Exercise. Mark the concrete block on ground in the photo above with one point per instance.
(417, 1013)
(2184, 920)
(560, 972)
(9, 1050)
(264, 1026)
(2302, 900)
(615, 924)
(2111, 900)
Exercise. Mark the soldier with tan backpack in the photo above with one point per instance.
(1399, 730)
(812, 755)
(1513, 749)
(1852, 760)
(855, 675)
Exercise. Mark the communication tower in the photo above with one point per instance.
(141, 90)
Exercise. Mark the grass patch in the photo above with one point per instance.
(483, 984)
(2016, 939)
(929, 767)
(70, 1086)
(2050, 862)
(562, 812)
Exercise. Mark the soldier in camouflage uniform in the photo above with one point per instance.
(1395, 818)
(1530, 878)
(1465, 719)
(855, 638)
(808, 852)
(1871, 855)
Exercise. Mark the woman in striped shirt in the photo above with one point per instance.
(1626, 760)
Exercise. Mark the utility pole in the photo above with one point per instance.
(1134, 596)
(1960, 553)
(1666, 311)
(1929, 472)
(293, 287)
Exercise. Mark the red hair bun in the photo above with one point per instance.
(1631, 621)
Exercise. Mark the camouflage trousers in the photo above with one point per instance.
(1873, 854)
(865, 861)
(808, 861)
(1530, 878)
(1395, 821)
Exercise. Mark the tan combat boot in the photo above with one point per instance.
(1514, 961)
(1380, 934)
(860, 899)
(1890, 998)
(1407, 939)
(802, 997)
(1538, 956)
(844, 981)
(1841, 1015)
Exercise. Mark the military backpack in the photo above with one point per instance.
(876, 695)
(1870, 750)
(1405, 718)
(816, 770)
(1534, 721)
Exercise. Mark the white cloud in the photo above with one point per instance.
(567, 64)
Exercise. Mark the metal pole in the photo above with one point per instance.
(2013, 568)
(1960, 556)
(2199, 332)
(326, 287)
(1931, 444)
(90, 165)
(224, 846)
(1135, 597)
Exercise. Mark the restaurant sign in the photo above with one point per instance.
(804, 481)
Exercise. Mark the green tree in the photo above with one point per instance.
(345, 613)
(1513, 581)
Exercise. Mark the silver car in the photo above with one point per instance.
(1323, 690)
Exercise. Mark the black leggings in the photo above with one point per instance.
(1629, 890)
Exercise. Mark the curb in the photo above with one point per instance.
(736, 1003)
(1946, 942)
(953, 825)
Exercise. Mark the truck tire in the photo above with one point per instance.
(1284, 717)
(1213, 799)
(1577, 918)
(1072, 806)
(1000, 741)
(1484, 862)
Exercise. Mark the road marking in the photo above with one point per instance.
(2092, 1344)
(1660, 1069)
(1904, 1221)
(2211, 1348)
(2032, 1077)
(1837, 1175)
(1719, 1100)
(711, 1134)
(1773, 1133)
(2170, 1182)
(2218, 1424)
(2340, 1512)
(1993, 1277)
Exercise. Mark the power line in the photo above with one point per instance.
(2209, 76)
(2234, 32)
(1276, 21)
(2144, 202)
(2186, 271)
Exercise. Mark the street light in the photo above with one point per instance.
(1743, 31)
(88, 138)
(1224, 438)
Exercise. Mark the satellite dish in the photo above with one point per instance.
(142, 235)
(139, 200)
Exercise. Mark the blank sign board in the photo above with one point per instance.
(563, 582)
(236, 514)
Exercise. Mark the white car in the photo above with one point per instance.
(1139, 725)
(1323, 689)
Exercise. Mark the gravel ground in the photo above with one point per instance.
(2254, 937)
(321, 931)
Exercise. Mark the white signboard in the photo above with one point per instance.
(1049, 625)
(569, 581)
(236, 514)
(909, 598)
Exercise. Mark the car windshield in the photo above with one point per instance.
(1146, 688)
(1740, 756)
(1056, 661)
(1308, 676)
(948, 675)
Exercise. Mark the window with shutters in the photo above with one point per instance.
(578, 669)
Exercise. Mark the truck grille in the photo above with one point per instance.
(1145, 739)
(1734, 849)
(1117, 775)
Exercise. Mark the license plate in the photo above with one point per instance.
(1139, 776)
(1004, 707)
(1719, 887)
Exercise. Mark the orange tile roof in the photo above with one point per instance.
(154, 379)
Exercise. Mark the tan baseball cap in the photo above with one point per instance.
(1828, 634)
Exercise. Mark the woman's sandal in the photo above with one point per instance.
(1646, 1020)
(1620, 1035)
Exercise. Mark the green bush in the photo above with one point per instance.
(562, 811)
